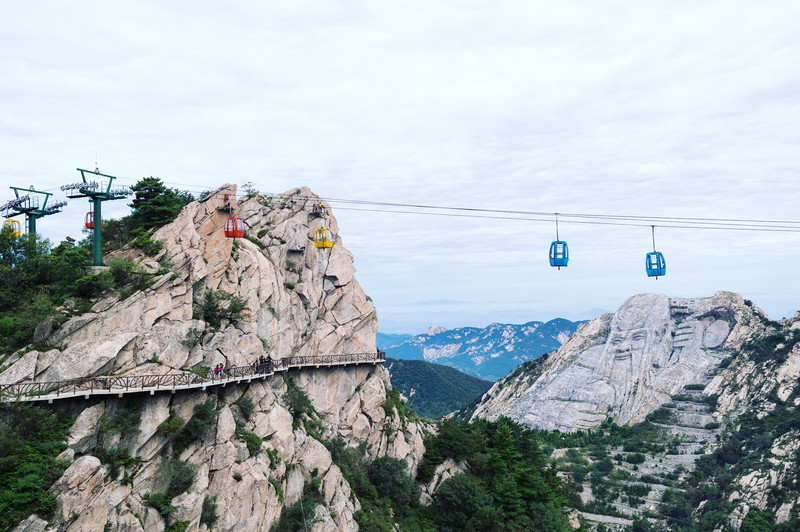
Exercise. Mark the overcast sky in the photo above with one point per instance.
(687, 109)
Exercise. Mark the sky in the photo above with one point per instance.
(677, 109)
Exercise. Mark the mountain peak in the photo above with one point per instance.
(624, 365)
(488, 353)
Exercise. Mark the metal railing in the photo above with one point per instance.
(213, 377)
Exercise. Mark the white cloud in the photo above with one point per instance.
(670, 109)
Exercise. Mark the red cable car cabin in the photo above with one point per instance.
(234, 227)
(89, 223)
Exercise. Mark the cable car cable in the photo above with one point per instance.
(623, 224)
(674, 222)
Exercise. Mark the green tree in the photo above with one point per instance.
(758, 521)
(505, 444)
(458, 499)
(31, 437)
(217, 306)
(34, 280)
(116, 233)
(390, 478)
(486, 519)
(548, 518)
(155, 204)
(508, 497)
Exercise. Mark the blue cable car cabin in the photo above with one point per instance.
(559, 254)
(655, 264)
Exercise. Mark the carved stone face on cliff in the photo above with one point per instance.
(654, 347)
(623, 344)
(637, 345)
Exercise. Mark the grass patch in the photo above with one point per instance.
(278, 488)
(255, 241)
(205, 417)
(252, 440)
(171, 425)
(160, 502)
(117, 459)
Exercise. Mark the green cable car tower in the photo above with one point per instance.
(97, 195)
(29, 206)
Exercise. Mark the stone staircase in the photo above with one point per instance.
(683, 333)
(684, 426)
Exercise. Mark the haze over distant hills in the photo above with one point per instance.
(489, 353)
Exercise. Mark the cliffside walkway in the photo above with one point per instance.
(171, 382)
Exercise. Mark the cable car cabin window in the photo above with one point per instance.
(323, 238)
(655, 264)
(559, 253)
(234, 227)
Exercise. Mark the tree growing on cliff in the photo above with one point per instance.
(390, 478)
(155, 204)
(34, 281)
(31, 438)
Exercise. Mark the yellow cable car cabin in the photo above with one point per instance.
(323, 238)
(14, 225)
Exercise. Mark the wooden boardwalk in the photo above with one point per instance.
(87, 387)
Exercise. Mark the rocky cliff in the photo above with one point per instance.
(623, 366)
(297, 300)
(714, 383)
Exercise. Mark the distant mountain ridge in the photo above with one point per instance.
(385, 340)
(434, 390)
(489, 353)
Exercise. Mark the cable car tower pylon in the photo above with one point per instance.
(97, 195)
(28, 205)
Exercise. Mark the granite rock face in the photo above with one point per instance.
(299, 300)
(623, 366)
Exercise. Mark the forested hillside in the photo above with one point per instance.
(434, 390)
(42, 285)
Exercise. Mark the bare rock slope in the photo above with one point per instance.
(622, 366)
(299, 300)
(725, 438)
